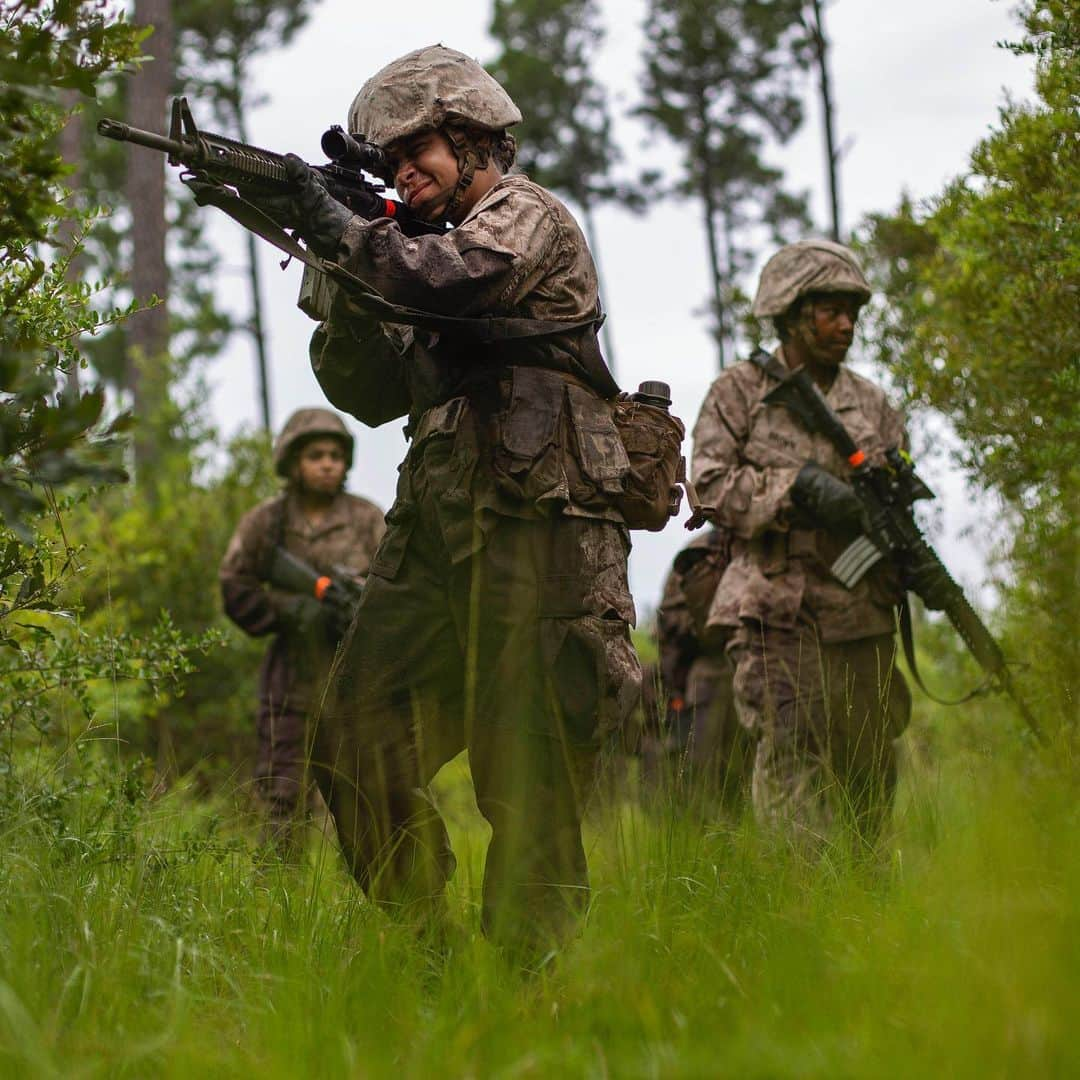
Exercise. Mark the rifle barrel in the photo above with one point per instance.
(114, 129)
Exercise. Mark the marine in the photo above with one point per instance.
(815, 674)
(496, 616)
(702, 739)
(317, 521)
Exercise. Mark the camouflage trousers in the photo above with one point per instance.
(719, 749)
(519, 653)
(705, 750)
(826, 717)
(280, 766)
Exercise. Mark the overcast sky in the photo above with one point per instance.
(916, 85)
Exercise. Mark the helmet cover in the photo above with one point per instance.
(809, 266)
(426, 89)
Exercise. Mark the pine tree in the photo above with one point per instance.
(148, 330)
(217, 41)
(815, 20)
(720, 81)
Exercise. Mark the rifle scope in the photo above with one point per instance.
(345, 149)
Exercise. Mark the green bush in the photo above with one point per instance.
(980, 323)
(60, 679)
(151, 557)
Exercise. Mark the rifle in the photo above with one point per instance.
(340, 592)
(887, 494)
(221, 172)
(227, 173)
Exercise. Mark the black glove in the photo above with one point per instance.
(825, 500)
(340, 608)
(303, 615)
(309, 209)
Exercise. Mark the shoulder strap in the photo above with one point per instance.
(483, 330)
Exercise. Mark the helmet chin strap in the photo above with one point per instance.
(470, 155)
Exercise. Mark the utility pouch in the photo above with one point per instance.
(652, 437)
(391, 551)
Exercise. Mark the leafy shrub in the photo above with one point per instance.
(980, 324)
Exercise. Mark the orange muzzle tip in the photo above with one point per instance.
(321, 586)
(856, 459)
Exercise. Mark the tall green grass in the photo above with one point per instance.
(152, 937)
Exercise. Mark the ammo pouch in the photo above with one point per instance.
(555, 442)
(700, 570)
(653, 439)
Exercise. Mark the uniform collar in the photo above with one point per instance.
(842, 394)
(495, 193)
(336, 517)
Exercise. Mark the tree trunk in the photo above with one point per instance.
(589, 223)
(821, 48)
(730, 330)
(148, 331)
(255, 324)
(67, 232)
(258, 334)
(708, 198)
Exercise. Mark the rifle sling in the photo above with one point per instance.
(907, 636)
(484, 330)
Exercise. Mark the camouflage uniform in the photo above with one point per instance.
(294, 669)
(696, 676)
(497, 615)
(814, 661)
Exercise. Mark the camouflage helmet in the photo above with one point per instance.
(809, 266)
(306, 424)
(427, 89)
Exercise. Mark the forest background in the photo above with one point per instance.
(135, 900)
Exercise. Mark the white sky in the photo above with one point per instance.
(917, 83)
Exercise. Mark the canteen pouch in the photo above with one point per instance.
(653, 439)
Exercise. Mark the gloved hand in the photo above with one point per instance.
(309, 209)
(340, 607)
(827, 501)
(303, 615)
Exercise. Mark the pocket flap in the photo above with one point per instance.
(603, 456)
(535, 405)
(440, 420)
